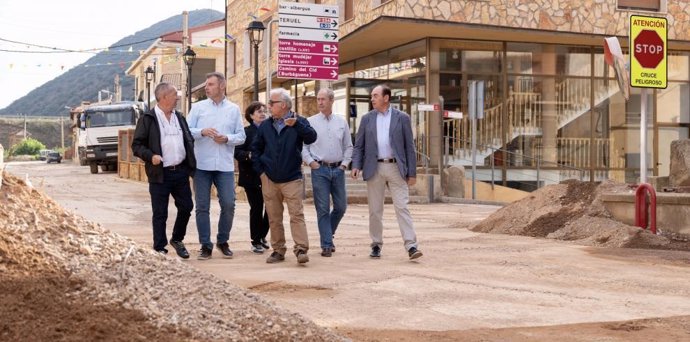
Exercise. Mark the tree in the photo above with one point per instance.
(28, 146)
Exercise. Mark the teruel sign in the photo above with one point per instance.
(648, 52)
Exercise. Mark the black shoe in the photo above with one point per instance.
(375, 252)
(274, 258)
(414, 253)
(162, 251)
(326, 252)
(333, 249)
(225, 249)
(265, 245)
(302, 257)
(205, 253)
(180, 249)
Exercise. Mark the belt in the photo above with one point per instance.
(174, 167)
(392, 160)
(336, 164)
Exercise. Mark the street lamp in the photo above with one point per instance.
(189, 57)
(149, 77)
(256, 32)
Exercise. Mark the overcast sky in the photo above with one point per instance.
(70, 24)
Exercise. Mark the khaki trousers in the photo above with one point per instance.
(388, 176)
(291, 192)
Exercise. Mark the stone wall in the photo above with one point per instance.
(578, 16)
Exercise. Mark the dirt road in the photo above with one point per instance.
(468, 286)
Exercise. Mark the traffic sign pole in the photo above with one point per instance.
(648, 69)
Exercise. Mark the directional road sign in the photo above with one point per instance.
(308, 41)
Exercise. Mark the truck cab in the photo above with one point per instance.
(98, 134)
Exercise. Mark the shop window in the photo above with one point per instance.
(647, 5)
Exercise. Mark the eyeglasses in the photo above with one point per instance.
(271, 102)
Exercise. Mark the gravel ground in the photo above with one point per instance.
(105, 286)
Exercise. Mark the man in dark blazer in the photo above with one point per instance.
(385, 155)
(163, 141)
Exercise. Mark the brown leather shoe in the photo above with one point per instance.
(326, 252)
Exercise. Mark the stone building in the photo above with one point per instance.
(552, 106)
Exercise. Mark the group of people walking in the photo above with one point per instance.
(270, 152)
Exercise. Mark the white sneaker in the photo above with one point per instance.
(258, 249)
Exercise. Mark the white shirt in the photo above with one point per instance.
(225, 117)
(333, 142)
(383, 126)
(172, 140)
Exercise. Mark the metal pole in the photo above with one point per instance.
(643, 137)
(441, 140)
(189, 88)
(538, 170)
(256, 72)
(62, 133)
(295, 108)
(472, 106)
(267, 38)
(148, 94)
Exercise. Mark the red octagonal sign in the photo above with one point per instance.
(649, 49)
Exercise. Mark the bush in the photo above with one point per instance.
(28, 146)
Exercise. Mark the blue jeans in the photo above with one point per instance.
(328, 182)
(225, 184)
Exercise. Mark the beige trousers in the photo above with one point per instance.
(388, 176)
(291, 192)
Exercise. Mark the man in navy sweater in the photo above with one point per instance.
(277, 158)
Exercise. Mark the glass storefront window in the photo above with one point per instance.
(545, 59)
(678, 66)
(673, 103)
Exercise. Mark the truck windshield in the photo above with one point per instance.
(108, 119)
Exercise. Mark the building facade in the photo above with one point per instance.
(552, 107)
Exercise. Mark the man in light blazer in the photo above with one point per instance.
(384, 154)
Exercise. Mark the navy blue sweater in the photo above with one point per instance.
(279, 155)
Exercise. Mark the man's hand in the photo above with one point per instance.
(220, 139)
(411, 181)
(209, 132)
(314, 165)
(291, 121)
(156, 159)
(355, 173)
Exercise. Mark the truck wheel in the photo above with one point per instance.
(94, 168)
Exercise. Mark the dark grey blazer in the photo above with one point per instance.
(365, 152)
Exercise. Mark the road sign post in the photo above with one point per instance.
(648, 68)
(308, 41)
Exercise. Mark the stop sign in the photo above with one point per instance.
(649, 49)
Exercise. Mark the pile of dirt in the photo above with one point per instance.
(62, 277)
(573, 211)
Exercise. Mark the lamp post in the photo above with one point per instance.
(149, 77)
(256, 32)
(189, 57)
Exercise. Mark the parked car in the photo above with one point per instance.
(53, 157)
(42, 154)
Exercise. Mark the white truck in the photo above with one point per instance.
(98, 132)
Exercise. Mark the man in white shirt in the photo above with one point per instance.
(216, 125)
(328, 158)
(165, 144)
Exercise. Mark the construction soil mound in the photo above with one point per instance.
(65, 278)
(573, 211)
